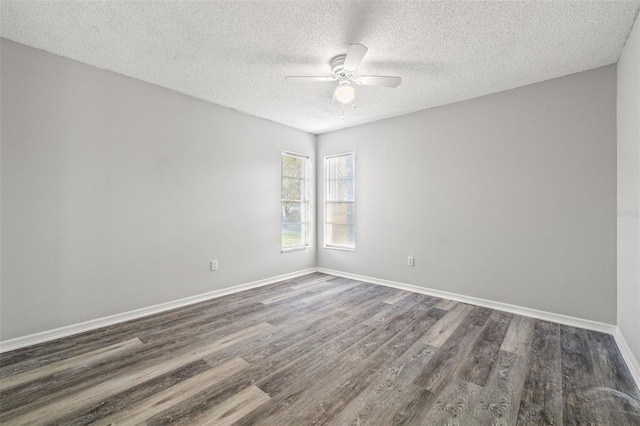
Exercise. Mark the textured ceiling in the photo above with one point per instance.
(237, 54)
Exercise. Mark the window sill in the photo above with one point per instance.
(340, 248)
(290, 249)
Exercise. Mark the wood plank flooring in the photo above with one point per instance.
(319, 349)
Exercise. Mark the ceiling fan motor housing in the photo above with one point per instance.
(337, 68)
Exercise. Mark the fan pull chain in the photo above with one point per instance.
(344, 112)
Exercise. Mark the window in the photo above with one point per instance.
(294, 203)
(340, 201)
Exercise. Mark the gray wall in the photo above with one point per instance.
(116, 194)
(502, 197)
(629, 191)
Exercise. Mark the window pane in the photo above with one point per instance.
(291, 212)
(292, 166)
(292, 235)
(340, 213)
(342, 167)
(341, 189)
(341, 235)
(292, 188)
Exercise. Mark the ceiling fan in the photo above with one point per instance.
(344, 68)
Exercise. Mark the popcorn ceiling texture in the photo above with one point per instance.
(237, 54)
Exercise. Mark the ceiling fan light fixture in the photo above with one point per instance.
(345, 93)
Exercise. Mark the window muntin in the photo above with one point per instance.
(294, 203)
(340, 201)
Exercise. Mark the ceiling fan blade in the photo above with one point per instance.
(377, 80)
(310, 78)
(354, 56)
(334, 100)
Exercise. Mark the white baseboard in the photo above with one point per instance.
(57, 333)
(629, 357)
(506, 307)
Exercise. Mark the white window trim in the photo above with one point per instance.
(305, 203)
(326, 193)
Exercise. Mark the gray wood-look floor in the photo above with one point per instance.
(323, 350)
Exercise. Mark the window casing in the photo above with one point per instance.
(294, 202)
(340, 201)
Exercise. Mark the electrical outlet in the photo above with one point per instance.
(410, 261)
(214, 265)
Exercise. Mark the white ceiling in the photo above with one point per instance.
(237, 53)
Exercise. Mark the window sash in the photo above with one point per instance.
(340, 202)
(294, 203)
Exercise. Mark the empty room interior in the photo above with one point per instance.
(320, 212)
